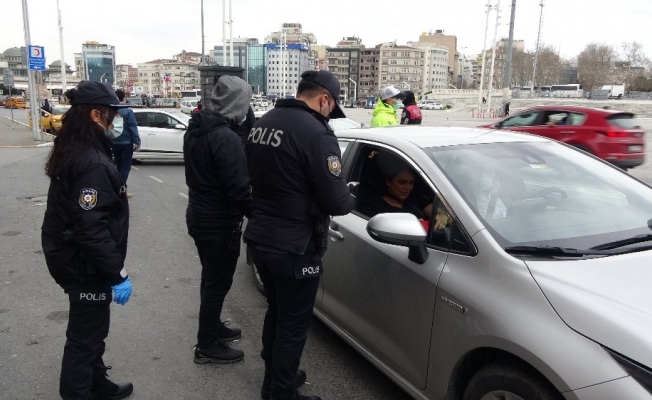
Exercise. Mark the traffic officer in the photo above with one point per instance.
(411, 114)
(295, 169)
(84, 237)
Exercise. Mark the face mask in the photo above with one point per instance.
(118, 127)
(486, 182)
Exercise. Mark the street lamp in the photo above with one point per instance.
(408, 85)
(355, 91)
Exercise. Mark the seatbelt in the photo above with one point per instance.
(492, 206)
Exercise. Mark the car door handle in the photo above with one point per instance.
(567, 132)
(333, 231)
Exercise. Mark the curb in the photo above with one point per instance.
(45, 144)
(18, 122)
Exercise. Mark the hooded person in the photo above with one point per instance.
(384, 113)
(411, 114)
(219, 196)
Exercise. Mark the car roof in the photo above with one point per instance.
(581, 109)
(426, 136)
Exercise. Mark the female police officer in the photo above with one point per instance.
(84, 237)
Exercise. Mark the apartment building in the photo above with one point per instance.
(402, 67)
(344, 63)
(285, 63)
(126, 77)
(291, 32)
(96, 62)
(167, 78)
(450, 42)
(435, 69)
(368, 83)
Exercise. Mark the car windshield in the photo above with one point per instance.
(546, 194)
(59, 110)
(181, 117)
(338, 124)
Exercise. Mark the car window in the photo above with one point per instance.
(576, 119)
(141, 119)
(546, 194)
(623, 121)
(160, 120)
(344, 145)
(524, 119)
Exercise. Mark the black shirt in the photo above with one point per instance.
(378, 205)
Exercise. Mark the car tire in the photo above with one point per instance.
(508, 381)
(254, 272)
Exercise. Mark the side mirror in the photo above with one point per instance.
(180, 126)
(400, 229)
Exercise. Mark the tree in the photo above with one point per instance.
(548, 66)
(522, 64)
(634, 64)
(595, 65)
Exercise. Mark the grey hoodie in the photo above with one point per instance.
(230, 97)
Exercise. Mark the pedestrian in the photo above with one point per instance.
(245, 126)
(219, 196)
(384, 113)
(199, 107)
(507, 109)
(84, 237)
(47, 107)
(411, 114)
(128, 142)
(295, 165)
(484, 100)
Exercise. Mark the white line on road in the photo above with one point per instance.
(156, 179)
(136, 168)
(183, 195)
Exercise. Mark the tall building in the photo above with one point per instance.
(222, 56)
(285, 63)
(448, 41)
(257, 68)
(293, 33)
(126, 77)
(350, 42)
(368, 86)
(96, 62)
(435, 66)
(344, 63)
(402, 67)
(167, 78)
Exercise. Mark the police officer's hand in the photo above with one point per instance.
(122, 292)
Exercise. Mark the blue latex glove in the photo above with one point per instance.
(122, 292)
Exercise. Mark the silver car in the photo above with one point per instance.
(535, 286)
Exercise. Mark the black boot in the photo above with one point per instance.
(227, 334)
(291, 394)
(218, 353)
(104, 389)
(266, 390)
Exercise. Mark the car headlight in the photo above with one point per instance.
(640, 373)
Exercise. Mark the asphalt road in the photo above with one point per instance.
(151, 337)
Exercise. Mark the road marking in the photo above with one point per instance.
(136, 168)
(184, 195)
(156, 179)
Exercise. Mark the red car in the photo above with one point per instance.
(611, 135)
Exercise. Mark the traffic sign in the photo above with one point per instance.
(36, 58)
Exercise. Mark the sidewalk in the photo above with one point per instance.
(17, 135)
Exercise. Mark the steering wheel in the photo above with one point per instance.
(541, 194)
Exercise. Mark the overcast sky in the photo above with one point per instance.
(144, 30)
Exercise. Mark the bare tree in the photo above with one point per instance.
(548, 66)
(522, 63)
(595, 65)
(634, 63)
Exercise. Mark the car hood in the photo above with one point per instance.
(606, 299)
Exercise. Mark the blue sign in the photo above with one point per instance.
(36, 58)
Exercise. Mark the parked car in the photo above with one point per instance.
(188, 105)
(161, 133)
(335, 123)
(50, 122)
(430, 105)
(14, 102)
(536, 289)
(612, 135)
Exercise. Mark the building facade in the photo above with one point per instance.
(167, 78)
(368, 86)
(402, 67)
(257, 68)
(222, 56)
(16, 58)
(344, 63)
(284, 67)
(448, 41)
(96, 62)
(435, 67)
(291, 32)
(126, 77)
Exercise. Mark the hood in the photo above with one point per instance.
(409, 98)
(230, 97)
(205, 121)
(383, 108)
(606, 299)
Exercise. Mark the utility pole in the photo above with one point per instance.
(224, 33)
(507, 78)
(34, 106)
(493, 57)
(536, 54)
(231, 31)
(63, 61)
(203, 54)
(484, 52)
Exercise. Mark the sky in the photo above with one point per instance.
(145, 30)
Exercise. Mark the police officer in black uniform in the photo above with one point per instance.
(295, 167)
(84, 237)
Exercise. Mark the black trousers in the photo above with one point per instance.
(218, 261)
(82, 366)
(289, 311)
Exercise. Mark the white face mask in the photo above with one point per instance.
(117, 128)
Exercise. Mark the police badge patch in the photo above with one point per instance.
(334, 165)
(87, 198)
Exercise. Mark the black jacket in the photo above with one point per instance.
(295, 167)
(84, 232)
(244, 128)
(216, 173)
(411, 114)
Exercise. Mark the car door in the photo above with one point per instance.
(375, 293)
(143, 129)
(163, 136)
(522, 122)
(553, 124)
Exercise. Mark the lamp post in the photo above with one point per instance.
(355, 91)
(408, 85)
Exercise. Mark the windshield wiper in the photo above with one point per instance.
(646, 237)
(554, 251)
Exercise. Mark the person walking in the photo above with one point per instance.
(507, 109)
(219, 196)
(295, 165)
(129, 140)
(411, 114)
(47, 107)
(84, 238)
(384, 113)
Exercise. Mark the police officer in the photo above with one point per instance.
(411, 114)
(295, 168)
(84, 237)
